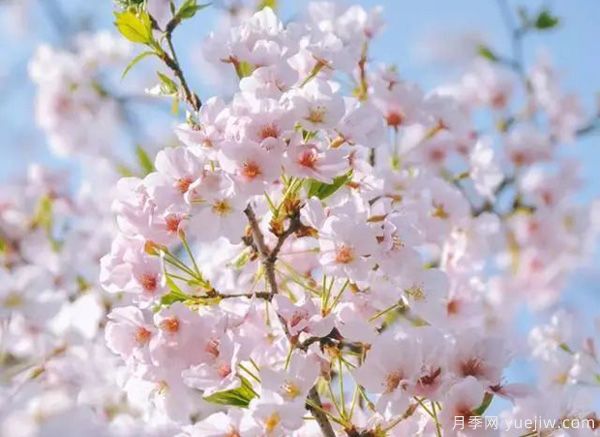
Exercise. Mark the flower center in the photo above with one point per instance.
(212, 347)
(519, 158)
(172, 223)
(344, 255)
(142, 335)
(13, 300)
(272, 422)
(499, 100)
(472, 367)
(439, 211)
(453, 307)
(437, 155)
(148, 282)
(416, 292)
(250, 170)
(291, 390)
(221, 207)
(394, 119)
(183, 185)
(316, 115)
(297, 317)
(268, 131)
(224, 370)
(430, 378)
(170, 324)
(392, 381)
(307, 158)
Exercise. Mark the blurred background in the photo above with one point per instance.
(427, 39)
(430, 41)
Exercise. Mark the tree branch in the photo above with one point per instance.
(269, 257)
(171, 61)
(320, 417)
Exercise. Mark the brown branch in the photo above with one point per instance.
(172, 62)
(269, 257)
(320, 416)
(257, 234)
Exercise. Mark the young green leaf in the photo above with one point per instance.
(135, 60)
(135, 28)
(267, 4)
(239, 397)
(144, 160)
(170, 298)
(243, 69)
(486, 53)
(545, 20)
(43, 217)
(188, 9)
(322, 190)
(167, 86)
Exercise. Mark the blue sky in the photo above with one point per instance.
(574, 46)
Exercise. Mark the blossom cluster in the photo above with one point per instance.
(57, 376)
(349, 251)
(73, 108)
(330, 250)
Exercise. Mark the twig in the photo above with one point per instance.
(269, 257)
(171, 61)
(320, 417)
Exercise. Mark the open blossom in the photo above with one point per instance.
(219, 373)
(391, 376)
(216, 208)
(313, 160)
(128, 268)
(346, 248)
(317, 106)
(462, 400)
(295, 381)
(71, 108)
(128, 333)
(252, 167)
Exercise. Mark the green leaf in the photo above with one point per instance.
(43, 214)
(135, 60)
(487, 400)
(566, 348)
(170, 298)
(174, 295)
(167, 86)
(188, 9)
(322, 190)
(243, 69)
(136, 28)
(175, 288)
(486, 53)
(124, 171)
(545, 20)
(267, 4)
(144, 160)
(175, 106)
(239, 397)
(242, 259)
